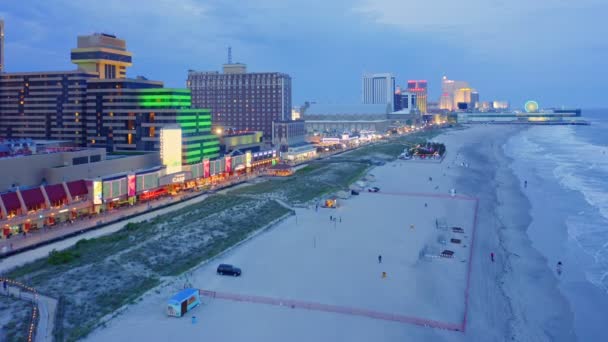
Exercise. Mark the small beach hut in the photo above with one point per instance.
(182, 302)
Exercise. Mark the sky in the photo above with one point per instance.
(552, 51)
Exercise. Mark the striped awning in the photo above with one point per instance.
(33, 198)
(11, 201)
(56, 193)
(78, 188)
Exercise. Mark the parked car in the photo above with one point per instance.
(373, 189)
(225, 269)
(354, 192)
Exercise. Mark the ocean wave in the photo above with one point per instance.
(565, 157)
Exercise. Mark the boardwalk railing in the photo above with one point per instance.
(27, 293)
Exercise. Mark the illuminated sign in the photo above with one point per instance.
(175, 178)
(248, 159)
(179, 178)
(171, 148)
(228, 164)
(97, 193)
(131, 185)
(206, 168)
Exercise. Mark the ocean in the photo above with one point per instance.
(566, 169)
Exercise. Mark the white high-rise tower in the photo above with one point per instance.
(378, 88)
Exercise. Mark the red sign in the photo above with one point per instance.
(131, 185)
(228, 164)
(206, 168)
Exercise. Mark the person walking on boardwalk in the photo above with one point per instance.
(492, 256)
(379, 259)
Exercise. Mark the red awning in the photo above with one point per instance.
(33, 198)
(56, 193)
(78, 188)
(11, 201)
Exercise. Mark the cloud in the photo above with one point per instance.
(326, 45)
(495, 26)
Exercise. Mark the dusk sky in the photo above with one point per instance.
(553, 51)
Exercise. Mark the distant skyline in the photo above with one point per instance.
(552, 51)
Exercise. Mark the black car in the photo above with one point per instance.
(225, 269)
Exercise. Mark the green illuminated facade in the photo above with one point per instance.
(127, 114)
(197, 141)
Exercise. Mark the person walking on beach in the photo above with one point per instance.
(559, 268)
(379, 259)
(525, 184)
(492, 256)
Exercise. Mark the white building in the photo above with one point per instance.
(337, 119)
(378, 88)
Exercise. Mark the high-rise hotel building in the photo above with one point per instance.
(128, 114)
(420, 88)
(241, 100)
(379, 89)
(97, 105)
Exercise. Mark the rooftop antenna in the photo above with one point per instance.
(230, 55)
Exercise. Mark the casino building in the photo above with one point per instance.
(98, 106)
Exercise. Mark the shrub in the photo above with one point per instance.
(63, 257)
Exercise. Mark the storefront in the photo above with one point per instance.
(281, 170)
(115, 192)
(176, 182)
(299, 153)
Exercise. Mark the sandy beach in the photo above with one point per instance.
(315, 261)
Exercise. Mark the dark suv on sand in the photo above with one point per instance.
(225, 269)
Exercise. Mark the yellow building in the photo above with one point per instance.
(104, 54)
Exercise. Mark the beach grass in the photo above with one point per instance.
(95, 277)
(15, 319)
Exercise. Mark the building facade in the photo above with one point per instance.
(420, 88)
(98, 106)
(128, 114)
(405, 101)
(103, 54)
(44, 105)
(447, 100)
(337, 119)
(378, 88)
(466, 98)
(288, 133)
(242, 101)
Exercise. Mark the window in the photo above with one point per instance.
(80, 160)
